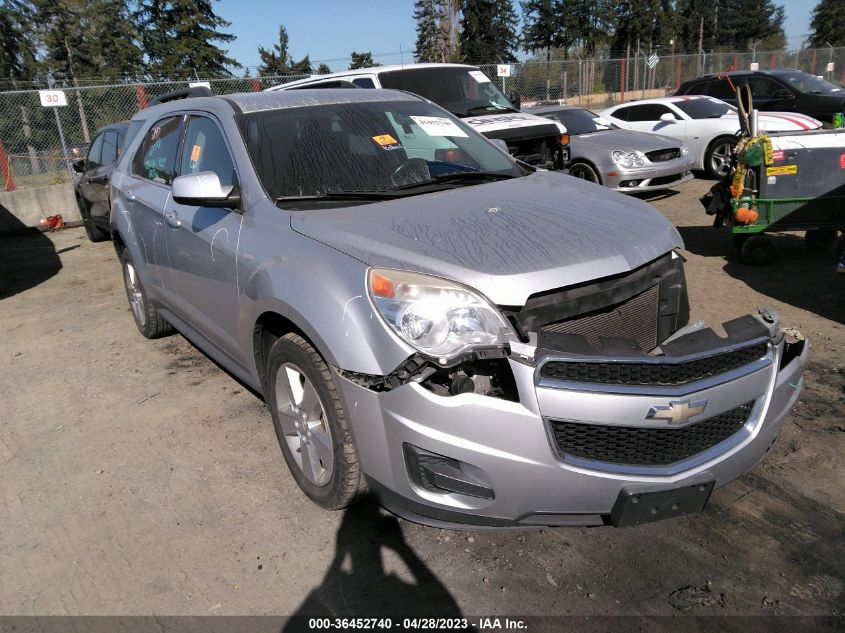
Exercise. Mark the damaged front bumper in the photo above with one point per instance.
(583, 433)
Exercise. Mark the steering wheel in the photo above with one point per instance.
(411, 172)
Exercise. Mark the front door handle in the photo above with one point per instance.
(172, 219)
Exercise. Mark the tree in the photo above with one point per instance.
(586, 23)
(277, 61)
(541, 29)
(735, 31)
(488, 31)
(17, 53)
(448, 26)
(428, 35)
(323, 69)
(178, 38)
(362, 60)
(828, 24)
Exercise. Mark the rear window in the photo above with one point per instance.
(703, 108)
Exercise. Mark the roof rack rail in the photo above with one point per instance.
(183, 93)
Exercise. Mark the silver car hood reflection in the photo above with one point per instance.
(625, 140)
(507, 239)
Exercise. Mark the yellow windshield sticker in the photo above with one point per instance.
(385, 139)
(782, 170)
(196, 150)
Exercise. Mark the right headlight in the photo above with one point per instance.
(439, 318)
(627, 159)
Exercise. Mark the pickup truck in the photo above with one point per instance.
(472, 341)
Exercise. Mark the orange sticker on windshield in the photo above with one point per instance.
(385, 139)
(195, 153)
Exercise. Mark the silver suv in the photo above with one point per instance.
(471, 341)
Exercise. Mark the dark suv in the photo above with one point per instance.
(781, 89)
(95, 171)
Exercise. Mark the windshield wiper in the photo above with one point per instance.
(340, 195)
(488, 108)
(456, 176)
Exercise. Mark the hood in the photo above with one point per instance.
(627, 140)
(513, 121)
(507, 239)
(782, 121)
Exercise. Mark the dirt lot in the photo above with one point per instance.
(138, 478)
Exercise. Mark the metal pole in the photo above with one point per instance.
(64, 145)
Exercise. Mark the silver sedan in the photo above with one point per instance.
(626, 161)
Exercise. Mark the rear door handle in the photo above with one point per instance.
(172, 219)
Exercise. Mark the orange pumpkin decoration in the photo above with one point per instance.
(746, 215)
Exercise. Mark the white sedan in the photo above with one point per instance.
(707, 125)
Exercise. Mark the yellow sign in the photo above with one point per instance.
(782, 170)
(385, 139)
(196, 150)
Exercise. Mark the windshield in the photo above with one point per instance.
(578, 121)
(703, 108)
(804, 82)
(462, 91)
(367, 147)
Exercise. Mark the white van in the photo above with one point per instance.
(468, 93)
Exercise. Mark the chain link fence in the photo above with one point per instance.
(37, 144)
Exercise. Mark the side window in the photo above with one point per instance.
(205, 150)
(109, 147)
(699, 88)
(648, 112)
(95, 153)
(364, 82)
(621, 113)
(156, 158)
(720, 89)
(764, 88)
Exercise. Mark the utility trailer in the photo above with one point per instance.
(787, 182)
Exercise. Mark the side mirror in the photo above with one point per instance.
(500, 144)
(668, 117)
(78, 165)
(516, 100)
(203, 189)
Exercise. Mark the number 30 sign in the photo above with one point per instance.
(52, 98)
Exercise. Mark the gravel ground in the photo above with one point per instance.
(139, 478)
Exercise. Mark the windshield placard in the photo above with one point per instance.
(479, 76)
(438, 126)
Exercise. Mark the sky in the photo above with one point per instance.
(329, 30)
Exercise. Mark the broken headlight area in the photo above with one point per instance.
(477, 374)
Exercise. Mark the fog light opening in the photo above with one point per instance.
(440, 474)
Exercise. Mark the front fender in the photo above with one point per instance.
(319, 289)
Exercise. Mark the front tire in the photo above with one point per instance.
(147, 318)
(311, 425)
(758, 250)
(717, 159)
(584, 172)
(94, 233)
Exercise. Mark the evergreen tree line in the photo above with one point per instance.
(72, 40)
(496, 30)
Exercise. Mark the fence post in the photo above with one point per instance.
(141, 95)
(772, 61)
(678, 73)
(813, 65)
(622, 79)
(6, 169)
(256, 85)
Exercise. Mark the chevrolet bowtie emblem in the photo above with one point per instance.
(677, 412)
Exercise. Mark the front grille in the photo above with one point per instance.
(536, 151)
(634, 319)
(662, 155)
(664, 180)
(662, 372)
(641, 446)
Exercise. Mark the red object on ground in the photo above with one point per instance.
(142, 96)
(5, 169)
(53, 222)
